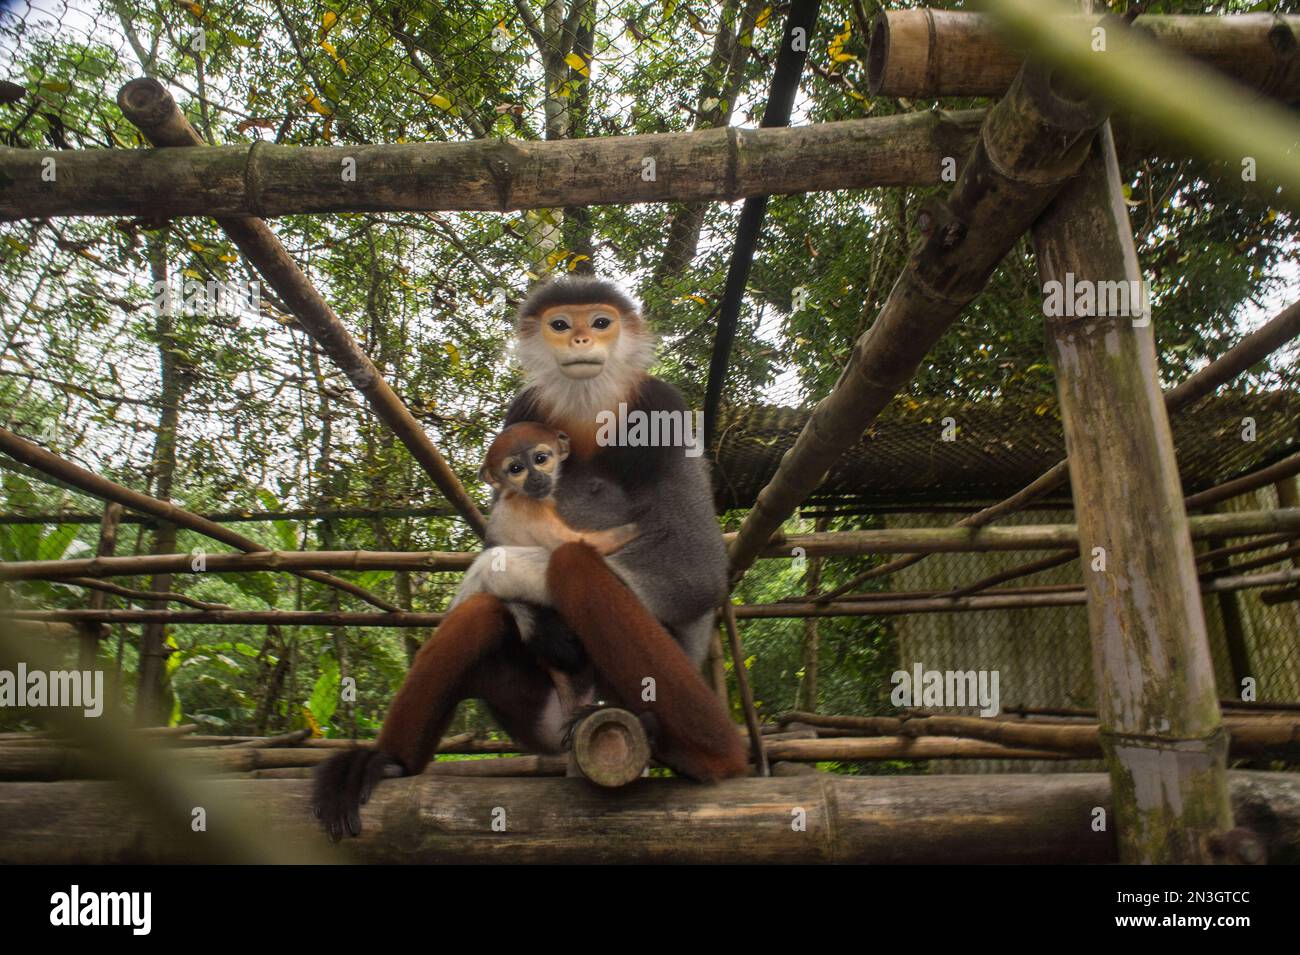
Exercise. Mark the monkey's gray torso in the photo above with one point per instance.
(678, 563)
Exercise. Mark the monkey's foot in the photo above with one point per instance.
(343, 785)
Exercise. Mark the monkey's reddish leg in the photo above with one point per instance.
(435, 684)
(626, 644)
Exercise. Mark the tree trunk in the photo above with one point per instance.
(151, 690)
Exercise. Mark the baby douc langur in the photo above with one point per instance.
(523, 467)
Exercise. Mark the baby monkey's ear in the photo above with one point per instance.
(561, 445)
(488, 476)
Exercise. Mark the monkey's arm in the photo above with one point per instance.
(510, 573)
(610, 540)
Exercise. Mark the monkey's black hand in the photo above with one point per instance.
(344, 784)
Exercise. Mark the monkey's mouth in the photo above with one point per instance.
(583, 361)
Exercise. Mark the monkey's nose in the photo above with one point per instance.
(581, 341)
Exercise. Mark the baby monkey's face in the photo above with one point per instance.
(533, 470)
(526, 459)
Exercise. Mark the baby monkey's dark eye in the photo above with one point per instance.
(516, 468)
(540, 457)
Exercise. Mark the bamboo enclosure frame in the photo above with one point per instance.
(1040, 160)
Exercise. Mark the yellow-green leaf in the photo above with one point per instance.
(312, 100)
(576, 61)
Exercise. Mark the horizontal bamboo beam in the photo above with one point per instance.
(883, 819)
(999, 739)
(927, 53)
(26, 763)
(267, 180)
(34, 456)
(291, 561)
(501, 175)
(825, 544)
(847, 608)
(286, 618)
(892, 540)
(238, 517)
(972, 602)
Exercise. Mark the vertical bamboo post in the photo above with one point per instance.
(716, 670)
(1234, 630)
(746, 694)
(1161, 727)
(93, 632)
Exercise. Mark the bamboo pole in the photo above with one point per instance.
(724, 164)
(501, 175)
(928, 53)
(1208, 497)
(902, 603)
(291, 561)
(1001, 739)
(288, 618)
(1161, 727)
(37, 457)
(981, 539)
(151, 108)
(1031, 142)
(1014, 818)
(826, 544)
(757, 752)
(246, 517)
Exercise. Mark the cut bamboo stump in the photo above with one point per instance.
(933, 53)
(798, 819)
(610, 748)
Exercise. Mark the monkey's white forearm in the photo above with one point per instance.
(511, 573)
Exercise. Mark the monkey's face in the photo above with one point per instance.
(525, 464)
(581, 338)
